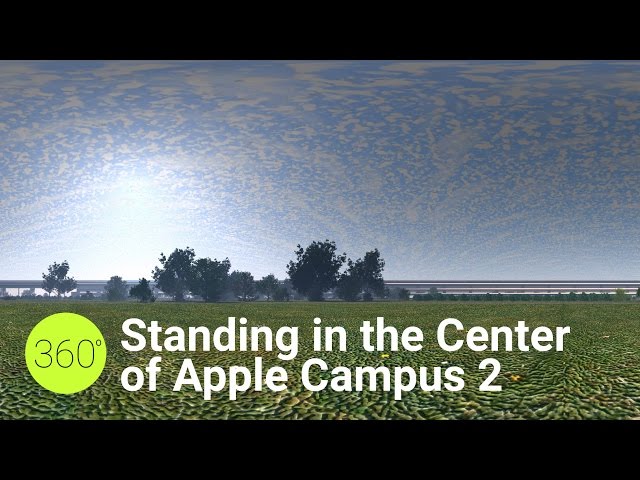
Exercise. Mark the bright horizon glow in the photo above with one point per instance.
(497, 170)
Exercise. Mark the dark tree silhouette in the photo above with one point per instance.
(268, 285)
(349, 284)
(56, 279)
(370, 272)
(210, 278)
(142, 291)
(281, 294)
(66, 285)
(116, 289)
(176, 274)
(403, 294)
(49, 281)
(242, 285)
(363, 275)
(316, 269)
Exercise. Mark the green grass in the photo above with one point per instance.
(596, 376)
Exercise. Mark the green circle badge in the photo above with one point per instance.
(65, 353)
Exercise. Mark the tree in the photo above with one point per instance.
(370, 272)
(87, 296)
(638, 293)
(242, 285)
(268, 285)
(210, 278)
(176, 274)
(403, 294)
(116, 289)
(66, 285)
(56, 279)
(362, 276)
(49, 281)
(316, 269)
(142, 291)
(620, 295)
(281, 294)
(349, 284)
(293, 294)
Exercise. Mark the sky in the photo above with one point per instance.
(452, 169)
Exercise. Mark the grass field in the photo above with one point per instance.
(596, 376)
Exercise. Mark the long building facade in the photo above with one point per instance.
(535, 287)
(458, 287)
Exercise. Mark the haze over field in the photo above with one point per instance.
(456, 170)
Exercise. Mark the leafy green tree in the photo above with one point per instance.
(349, 284)
(242, 285)
(56, 279)
(316, 269)
(281, 294)
(142, 291)
(116, 289)
(620, 295)
(403, 294)
(268, 285)
(638, 293)
(370, 270)
(66, 285)
(176, 274)
(210, 278)
(49, 282)
(363, 275)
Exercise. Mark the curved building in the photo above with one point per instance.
(540, 287)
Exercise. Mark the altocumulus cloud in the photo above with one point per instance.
(452, 169)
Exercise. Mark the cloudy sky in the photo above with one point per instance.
(454, 170)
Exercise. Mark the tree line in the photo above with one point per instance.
(181, 273)
(316, 270)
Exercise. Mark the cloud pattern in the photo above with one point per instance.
(454, 170)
